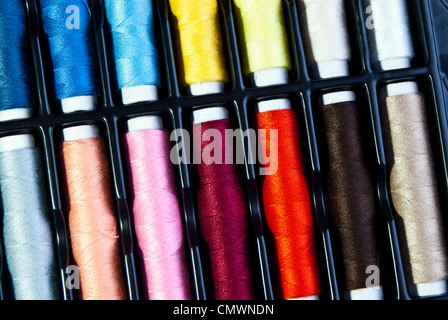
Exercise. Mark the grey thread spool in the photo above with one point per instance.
(389, 34)
(27, 230)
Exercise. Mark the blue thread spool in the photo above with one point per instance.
(135, 49)
(68, 28)
(17, 94)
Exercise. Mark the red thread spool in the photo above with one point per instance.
(287, 208)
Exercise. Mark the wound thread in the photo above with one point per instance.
(389, 34)
(263, 36)
(287, 208)
(200, 50)
(134, 41)
(72, 52)
(92, 222)
(414, 188)
(16, 81)
(351, 192)
(325, 36)
(27, 230)
(157, 217)
(223, 219)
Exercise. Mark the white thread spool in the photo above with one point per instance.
(326, 39)
(389, 33)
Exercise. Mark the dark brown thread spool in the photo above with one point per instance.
(351, 194)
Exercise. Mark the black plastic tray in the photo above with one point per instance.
(176, 106)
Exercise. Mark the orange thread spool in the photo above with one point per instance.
(92, 222)
(287, 208)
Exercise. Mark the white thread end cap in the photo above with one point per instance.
(145, 123)
(401, 88)
(210, 114)
(15, 114)
(331, 69)
(270, 77)
(76, 104)
(338, 97)
(273, 105)
(366, 294)
(143, 93)
(80, 132)
(422, 290)
(16, 142)
(204, 88)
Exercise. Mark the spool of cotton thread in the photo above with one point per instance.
(156, 211)
(72, 52)
(326, 39)
(263, 41)
(370, 293)
(16, 94)
(27, 230)
(411, 233)
(135, 49)
(389, 34)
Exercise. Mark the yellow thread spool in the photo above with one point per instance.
(263, 36)
(200, 46)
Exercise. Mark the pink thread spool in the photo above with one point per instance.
(156, 212)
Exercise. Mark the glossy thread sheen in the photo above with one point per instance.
(27, 228)
(157, 218)
(287, 208)
(263, 36)
(199, 42)
(351, 192)
(390, 34)
(16, 70)
(134, 42)
(93, 226)
(414, 189)
(325, 31)
(223, 221)
(72, 51)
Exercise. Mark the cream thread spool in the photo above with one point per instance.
(326, 39)
(434, 288)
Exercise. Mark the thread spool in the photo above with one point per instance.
(287, 204)
(17, 100)
(413, 188)
(263, 41)
(389, 34)
(156, 212)
(93, 226)
(351, 193)
(223, 212)
(326, 40)
(197, 30)
(27, 230)
(68, 28)
(135, 49)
